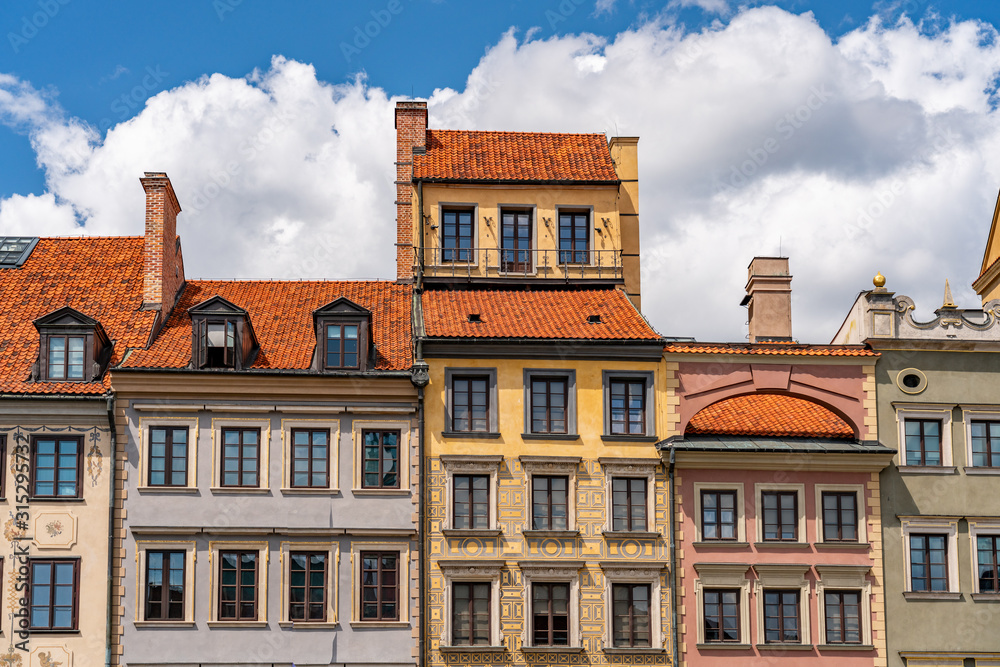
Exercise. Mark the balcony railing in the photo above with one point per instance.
(472, 263)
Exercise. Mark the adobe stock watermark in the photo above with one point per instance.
(785, 128)
(563, 11)
(363, 36)
(223, 7)
(30, 25)
(126, 104)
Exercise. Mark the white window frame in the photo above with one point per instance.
(630, 468)
(263, 557)
(471, 464)
(190, 556)
(758, 491)
(471, 570)
(357, 429)
(554, 466)
(403, 576)
(333, 452)
(332, 552)
(635, 572)
(982, 527)
(142, 443)
(845, 578)
(918, 411)
(782, 577)
(977, 413)
(947, 526)
(741, 519)
(723, 576)
(554, 572)
(263, 460)
(861, 511)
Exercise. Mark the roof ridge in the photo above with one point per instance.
(548, 134)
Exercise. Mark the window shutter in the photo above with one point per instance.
(364, 344)
(200, 343)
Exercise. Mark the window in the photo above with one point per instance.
(628, 407)
(307, 586)
(220, 344)
(310, 457)
(840, 516)
(631, 615)
(380, 585)
(165, 580)
(457, 234)
(721, 616)
(380, 467)
(574, 237)
(928, 562)
(550, 614)
(780, 516)
(923, 442)
(342, 336)
(988, 563)
(628, 503)
(718, 515)
(470, 403)
(470, 613)
(72, 347)
(843, 617)
(471, 506)
(14, 250)
(241, 457)
(986, 444)
(781, 617)
(223, 336)
(515, 240)
(66, 354)
(56, 467)
(53, 593)
(549, 503)
(549, 400)
(238, 585)
(168, 456)
(342, 345)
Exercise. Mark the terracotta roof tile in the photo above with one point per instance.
(515, 156)
(550, 314)
(772, 415)
(99, 276)
(766, 349)
(281, 315)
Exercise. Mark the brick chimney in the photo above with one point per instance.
(769, 300)
(163, 265)
(411, 137)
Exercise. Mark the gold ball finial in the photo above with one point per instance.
(879, 280)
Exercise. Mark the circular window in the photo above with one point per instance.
(911, 381)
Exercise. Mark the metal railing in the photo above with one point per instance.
(535, 263)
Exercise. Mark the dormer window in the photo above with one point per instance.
(221, 335)
(72, 347)
(343, 341)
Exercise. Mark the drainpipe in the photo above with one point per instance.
(421, 535)
(111, 526)
(673, 562)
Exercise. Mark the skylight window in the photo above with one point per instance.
(15, 249)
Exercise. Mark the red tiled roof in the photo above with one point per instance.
(514, 156)
(768, 415)
(535, 314)
(792, 349)
(281, 315)
(100, 277)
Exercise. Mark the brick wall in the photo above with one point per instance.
(163, 266)
(411, 132)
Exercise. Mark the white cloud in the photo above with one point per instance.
(604, 6)
(710, 6)
(878, 152)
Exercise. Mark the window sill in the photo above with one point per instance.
(550, 436)
(778, 544)
(50, 499)
(552, 649)
(471, 532)
(631, 534)
(164, 624)
(192, 490)
(305, 625)
(725, 647)
(471, 435)
(380, 492)
(981, 470)
(380, 624)
(927, 470)
(237, 490)
(621, 437)
(309, 492)
(539, 534)
(724, 544)
(986, 597)
(57, 631)
(237, 624)
(842, 545)
(784, 647)
(625, 650)
(472, 649)
(934, 597)
(845, 647)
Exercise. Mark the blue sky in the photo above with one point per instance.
(896, 138)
